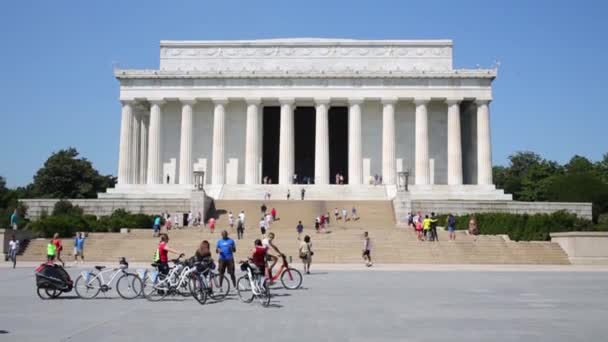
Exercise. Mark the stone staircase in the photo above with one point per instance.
(341, 244)
(313, 192)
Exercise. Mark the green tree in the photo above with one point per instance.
(602, 168)
(579, 164)
(579, 187)
(64, 175)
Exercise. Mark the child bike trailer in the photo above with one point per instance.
(51, 281)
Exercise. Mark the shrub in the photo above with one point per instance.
(65, 225)
(524, 227)
(65, 207)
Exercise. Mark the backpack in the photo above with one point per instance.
(156, 257)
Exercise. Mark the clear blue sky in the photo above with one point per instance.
(56, 57)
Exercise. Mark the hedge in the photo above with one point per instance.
(524, 227)
(69, 220)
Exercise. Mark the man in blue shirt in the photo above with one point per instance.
(79, 247)
(156, 226)
(14, 217)
(226, 248)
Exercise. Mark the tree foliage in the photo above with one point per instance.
(64, 175)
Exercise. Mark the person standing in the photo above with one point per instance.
(451, 223)
(176, 220)
(262, 225)
(306, 253)
(226, 247)
(288, 194)
(58, 248)
(299, 229)
(212, 224)
(336, 214)
(79, 247)
(240, 229)
(337, 178)
(163, 254)
(327, 219)
(354, 215)
(14, 219)
(189, 218)
(295, 178)
(426, 226)
(302, 192)
(242, 217)
(230, 220)
(13, 249)
(156, 226)
(434, 221)
(273, 212)
(367, 249)
(263, 208)
(473, 228)
(344, 214)
(51, 250)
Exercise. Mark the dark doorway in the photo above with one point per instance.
(304, 134)
(270, 143)
(338, 143)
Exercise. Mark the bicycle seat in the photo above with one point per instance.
(99, 268)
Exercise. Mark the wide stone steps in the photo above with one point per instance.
(391, 245)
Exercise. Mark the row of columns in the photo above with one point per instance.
(140, 143)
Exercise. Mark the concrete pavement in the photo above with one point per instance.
(412, 305)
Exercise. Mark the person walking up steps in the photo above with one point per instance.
(302, 193)
(299, 229)
(367, 249)
(226, 247)
(451, 223)
(230, 220)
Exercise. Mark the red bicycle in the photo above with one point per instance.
(290, 277)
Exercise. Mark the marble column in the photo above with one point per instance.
(321, 142)
(155, 172)
(135, 148)
(355, 161)
(252, 142)
(126, 141)
(286, 143)
(422, 142)
(185, 144)
(389, 167)
(218, 164)
(143, 148)
(484, 144)
(454, 143)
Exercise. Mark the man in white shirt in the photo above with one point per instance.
(263, 226)
(242, 217)
(367, 249)
(13, 249)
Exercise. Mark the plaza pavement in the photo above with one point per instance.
(401, 303)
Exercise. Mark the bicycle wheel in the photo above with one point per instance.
(264, 296)
(243, 288)
(291, 279)
(87, 288)
(155, 289)
(129, 286)
(198, 289)
(218, 292)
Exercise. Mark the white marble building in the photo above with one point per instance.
(241, 110)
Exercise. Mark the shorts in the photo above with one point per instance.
(263, 230)
(300, 231)
(226, 264)
(50, 257)
(366, 252)
(451, 229)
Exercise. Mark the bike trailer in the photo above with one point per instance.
(53, 277)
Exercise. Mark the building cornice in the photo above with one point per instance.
(121, 74)
(302, 42)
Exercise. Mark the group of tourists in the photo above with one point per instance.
(344, 214)
(55, 247)
(426, 227)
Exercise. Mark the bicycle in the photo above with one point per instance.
(89, 283)
(157, 285)
(208, 280)
(290, 277)
(253, 285)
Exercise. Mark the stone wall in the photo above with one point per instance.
(584, 247)
(100, 207)
(462, 207)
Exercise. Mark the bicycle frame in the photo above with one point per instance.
(87, 275)
(284, 267)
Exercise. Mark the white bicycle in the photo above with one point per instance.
(253, 285)
(157, 286)
(90, 283)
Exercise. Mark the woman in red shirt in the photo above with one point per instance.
(58, 248)
(163, 254)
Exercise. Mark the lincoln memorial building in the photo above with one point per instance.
(228, 114)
